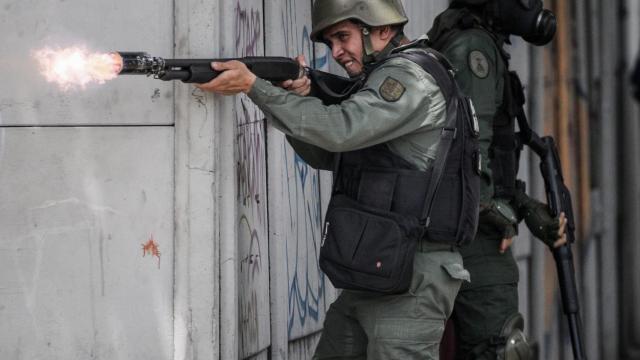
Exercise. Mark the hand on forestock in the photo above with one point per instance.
(543, 226)
(235, 78)
(499, 216)
(300, 86)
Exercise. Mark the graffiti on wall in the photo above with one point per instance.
(306, 282)
(248, 26)
(250, 157)
(298, 42)
(251, 263)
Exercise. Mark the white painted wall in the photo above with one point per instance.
(82, 190)
(26, 26)
(74, 283)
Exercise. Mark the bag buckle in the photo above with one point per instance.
(449, 133)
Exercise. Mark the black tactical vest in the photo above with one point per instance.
(382, 206)
(377, 177)
(505, 148)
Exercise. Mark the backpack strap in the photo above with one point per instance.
(441, 70)
(436, 65)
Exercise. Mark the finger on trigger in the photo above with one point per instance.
(300, 58)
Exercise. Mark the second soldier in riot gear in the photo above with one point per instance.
(471, 33)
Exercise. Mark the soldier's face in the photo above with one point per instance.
(347, 48)
(345, 41)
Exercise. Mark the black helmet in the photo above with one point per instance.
(526, 18)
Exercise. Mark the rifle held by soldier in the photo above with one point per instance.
(270, 68)
(559, 201)
(77, 67)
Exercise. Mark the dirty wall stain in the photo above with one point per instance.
(151, 248)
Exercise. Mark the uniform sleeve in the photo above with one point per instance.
(480, 75)
(396, 100)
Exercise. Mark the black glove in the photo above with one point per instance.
(499, 216)
(538, 218)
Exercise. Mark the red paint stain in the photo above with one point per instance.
(151, 248)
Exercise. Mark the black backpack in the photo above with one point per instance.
(452, 214)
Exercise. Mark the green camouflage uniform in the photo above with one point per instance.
(484, 304)
(360, 324)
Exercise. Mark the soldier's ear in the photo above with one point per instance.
(386, 32)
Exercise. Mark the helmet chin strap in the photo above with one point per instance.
(370, 55)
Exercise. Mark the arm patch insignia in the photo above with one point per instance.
(391, 89)
(478, 64)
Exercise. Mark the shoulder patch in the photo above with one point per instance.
(479, 64)
(391, 89)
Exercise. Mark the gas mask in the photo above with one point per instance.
(525, 18)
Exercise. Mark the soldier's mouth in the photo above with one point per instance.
(349, 65)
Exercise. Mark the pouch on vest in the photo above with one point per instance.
(364, 248)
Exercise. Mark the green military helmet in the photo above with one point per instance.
(327, 13)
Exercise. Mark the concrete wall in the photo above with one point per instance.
(87, 178)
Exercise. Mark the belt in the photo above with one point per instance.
(430, 246)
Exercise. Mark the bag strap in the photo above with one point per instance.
(435, 64)
(439, 67)
(336, 170)
(333, 89)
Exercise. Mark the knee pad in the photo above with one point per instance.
(511, 344)
(514, 344)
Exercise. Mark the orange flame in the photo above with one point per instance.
(76, 66)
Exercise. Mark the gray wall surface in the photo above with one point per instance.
(87, 179)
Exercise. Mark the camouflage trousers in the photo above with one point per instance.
(366, 325)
